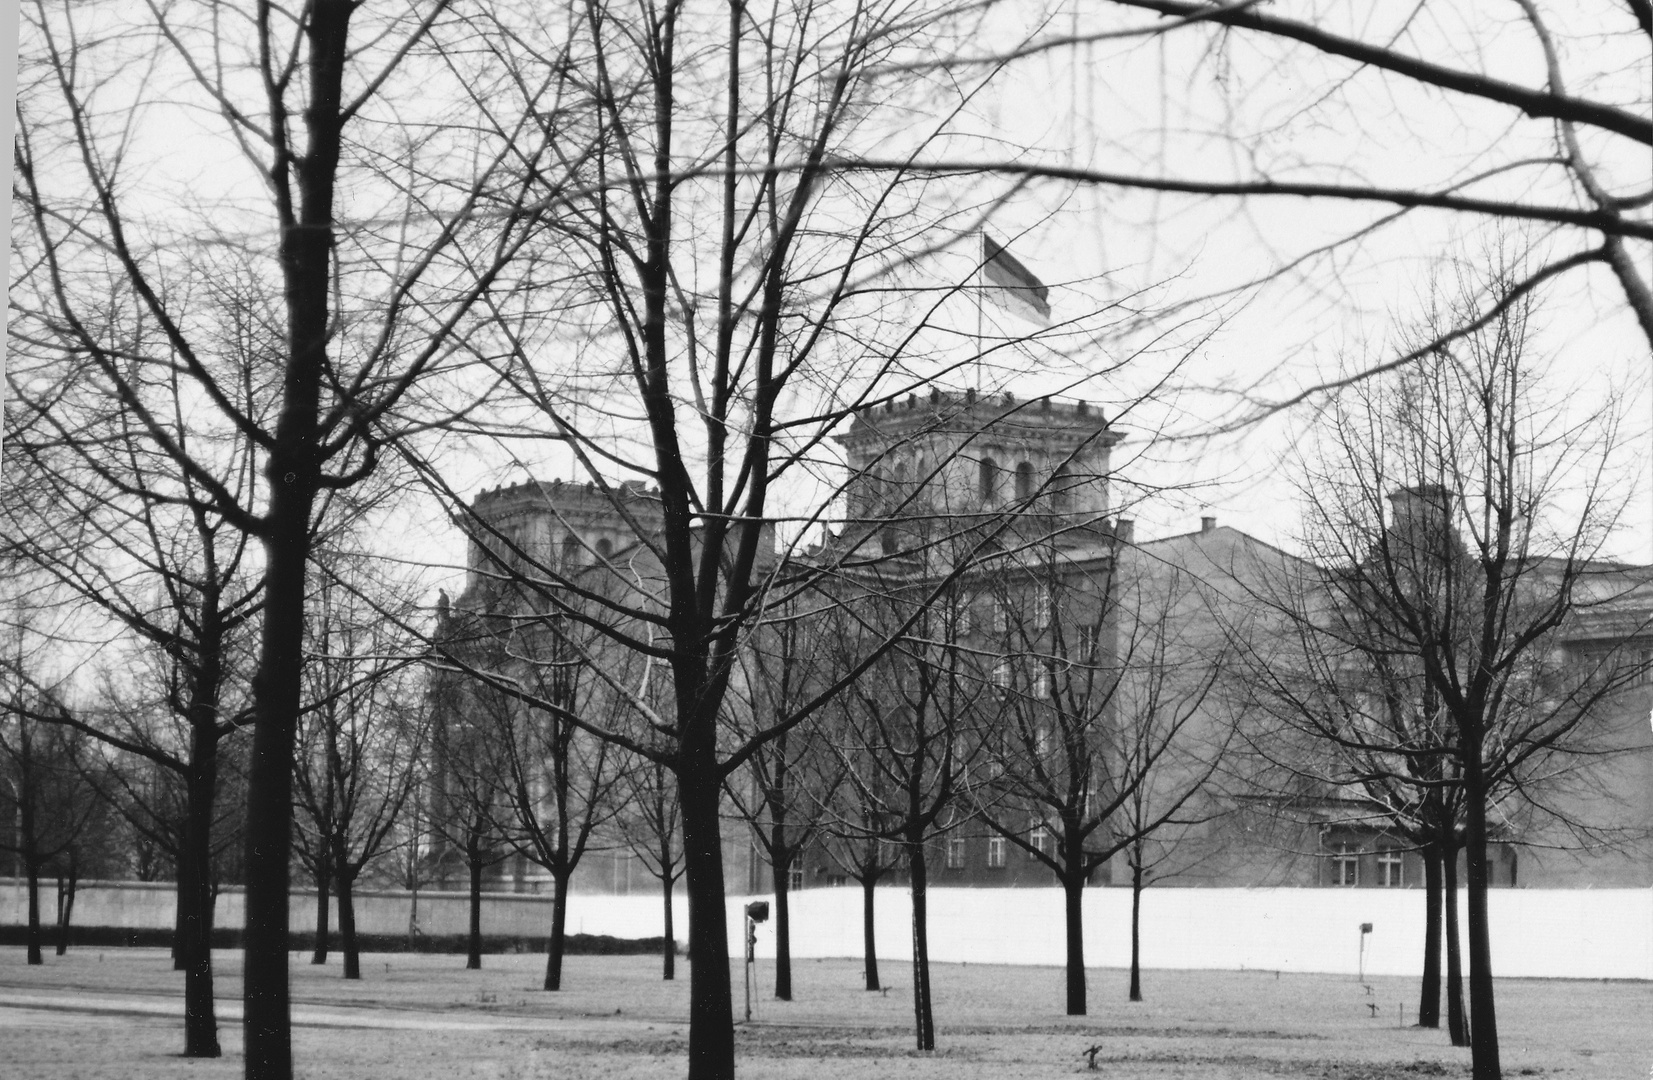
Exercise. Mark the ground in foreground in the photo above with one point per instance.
(117, 1013)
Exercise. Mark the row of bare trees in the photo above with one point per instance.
(667, 237)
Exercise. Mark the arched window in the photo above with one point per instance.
(1024, 481)
(1061, 498)
(570, 554)
(605, 547)
(989, 482)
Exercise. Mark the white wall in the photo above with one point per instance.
(1575, 933)
(1582, 933)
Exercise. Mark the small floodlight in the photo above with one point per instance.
(758, 911)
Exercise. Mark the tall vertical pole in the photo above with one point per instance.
(981, 265)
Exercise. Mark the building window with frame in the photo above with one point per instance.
(1042, 604)
(794, 877)
(1089, 636)
(995, 852)
(989, 482)
(1391, 868)
(1061, 493)
(1345, 864)
(1024, 482)
(955, 853)
(1041, 841)
(1002, 673)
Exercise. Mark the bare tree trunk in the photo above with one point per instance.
(66, 903)
(559, 926)
(668, 950)
(869, 940)
(324, 931)
(1483, 1015)
(35, 957)
(347, 923)
(1456, 1022)
(923, 1012)
(1429, 998)
(781, 871)
(1073, 894)
(181, 914)
(473, 958)
(293, 472)
(195, 899)
(1136, 932)
(711, 1019)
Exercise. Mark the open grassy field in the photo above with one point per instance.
(116, 1014)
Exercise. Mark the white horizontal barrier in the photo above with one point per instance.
(1544, 933)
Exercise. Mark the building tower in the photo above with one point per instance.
(963, 459)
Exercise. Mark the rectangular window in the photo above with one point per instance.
(1041, 608)
(1087, 644)
(995, 852)
(1345, 864)
(1001, 673)
(795, 878)
(955, 853)
(1391, 868)
(1041, 840)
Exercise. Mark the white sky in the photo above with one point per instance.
(1107, 107)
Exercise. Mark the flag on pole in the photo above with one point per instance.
(1012, 286)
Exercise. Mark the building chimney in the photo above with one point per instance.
(1124, 530)
(1208, 524)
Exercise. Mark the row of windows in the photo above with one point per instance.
(990, 484)
(958, 849)
(1000, 619)
(570, 552)
(1346, 857)
(958, 854)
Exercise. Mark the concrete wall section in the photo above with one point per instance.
(1550, 933)
(1587, 933)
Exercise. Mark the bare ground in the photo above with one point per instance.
(117, 1014)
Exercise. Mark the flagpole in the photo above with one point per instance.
(981, 266)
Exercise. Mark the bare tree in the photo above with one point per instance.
(915, 729)
(791, 775)
(854, 827)
(371, 235)
(560, 779)
(361, 736)
(650, 826)
(705, 365)
(44, 793)
(94, 506)
(469, 809)
(1365, 731)
(1109, 737)
(1461, 521)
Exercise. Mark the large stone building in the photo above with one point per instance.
(999, 510)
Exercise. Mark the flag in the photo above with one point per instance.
(1012, 286)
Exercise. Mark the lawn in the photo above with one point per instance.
(116, 1014)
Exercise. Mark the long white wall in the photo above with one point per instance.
(1547, 934)
(1582, 933)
